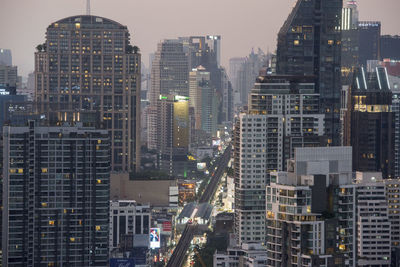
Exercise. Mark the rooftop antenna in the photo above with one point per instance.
(88, 7)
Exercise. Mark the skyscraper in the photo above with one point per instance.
(309, 43)
(370, 123)
(389, 47)
(56, 196)
(5, 57)
(169, 75)
(369, 41)
(87, 62)
(283, 114)
(301, 211)
(350, 42)
(9, 78)
(173, 134)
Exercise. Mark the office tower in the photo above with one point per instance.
(300, 217)
(128, 219)
(373, 224)
(309, 43)
(214, 46)
(5, 57)
(56, 196)
(169, 75)
(173, 134)
(370, 123)
(369, 41)
(234, 67)
(225, 113)
(291, 107)
(350, 44)
(389, 47)
(248, 72)
(199, 80)
(203, 100)
(9, 78)
(87, 62)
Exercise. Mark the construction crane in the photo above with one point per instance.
(199, 257)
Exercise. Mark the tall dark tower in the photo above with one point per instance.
(88, 63)
(370, 123)
(309, 43)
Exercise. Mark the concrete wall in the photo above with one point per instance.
(154, 192)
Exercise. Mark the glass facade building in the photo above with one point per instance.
(309, 43)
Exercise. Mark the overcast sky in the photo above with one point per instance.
(243, 24)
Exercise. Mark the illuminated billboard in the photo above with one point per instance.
(154, 237)
(216, 142)
(201, 166)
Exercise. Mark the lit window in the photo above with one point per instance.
(98, 227)
(13, 170)
(72, 239)
(77, 25)
(20, 170)
(51, 222)
(44, 204)
(98, 181)
(44, 170)
(296, 42)
(330, 42)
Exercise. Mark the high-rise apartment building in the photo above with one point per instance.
(56, 196)
(291, 107)
(389, 47)
(369, 41)
(169, 76)
(283, 115)
(88, 62)
(5, 57)
(373, 224)
(309, 43)
(301, 224)
(250, 143)
(370, 123)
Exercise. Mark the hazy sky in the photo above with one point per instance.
(243, 24)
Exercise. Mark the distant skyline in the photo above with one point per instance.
(243, 25)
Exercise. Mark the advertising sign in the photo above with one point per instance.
(122, 263)
(167, 227)
(201, 166)
(154, 237)
(216, 142)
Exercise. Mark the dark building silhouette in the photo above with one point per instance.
(370, 124)
(369, 43)
(56, 195)
(309, 43)
(390, 47)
